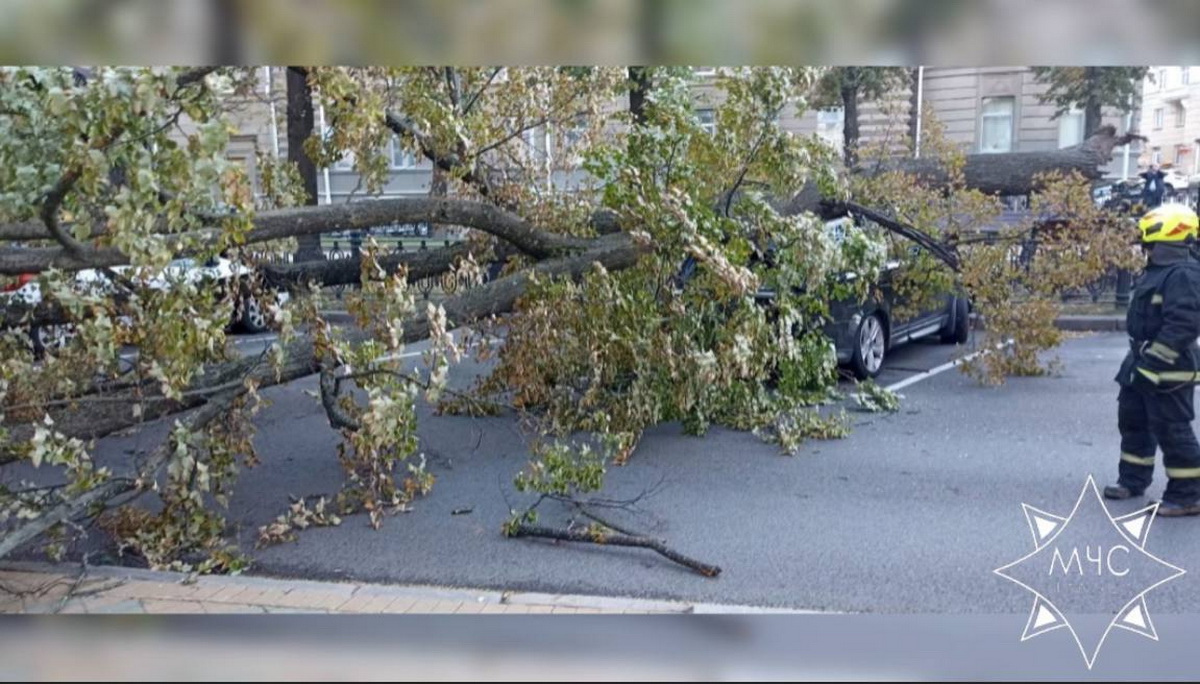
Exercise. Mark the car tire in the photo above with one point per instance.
(253, 316)
(958, 329)
(49, 339)
(870, 347)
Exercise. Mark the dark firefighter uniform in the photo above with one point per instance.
(1155, 405)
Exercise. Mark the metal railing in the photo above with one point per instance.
(446, 283)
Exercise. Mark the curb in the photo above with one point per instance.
(1075, 323)
(1091, 323)
(267, 592)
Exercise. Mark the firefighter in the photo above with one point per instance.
(1158, 376)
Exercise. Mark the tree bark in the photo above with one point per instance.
(639, 90)
(914, 110)
(616, 539)
(850, 125)
(300, 126)
(311, 221)
(1091, 108)
(1014, 173)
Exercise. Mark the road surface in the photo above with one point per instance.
(911, 513)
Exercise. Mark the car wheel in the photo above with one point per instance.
(958, 329)
(254, 317)
(870, 346)
(50, 338)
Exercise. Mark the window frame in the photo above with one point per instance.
(394, 146)
(1074, 114)
(1011, 100)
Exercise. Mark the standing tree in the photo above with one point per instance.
(1090, 89)
(300, 126)
(846, 87)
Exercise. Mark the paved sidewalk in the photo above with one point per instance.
(47, 588)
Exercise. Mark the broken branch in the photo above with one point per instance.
(655, 545)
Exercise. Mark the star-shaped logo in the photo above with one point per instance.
(1089, 572)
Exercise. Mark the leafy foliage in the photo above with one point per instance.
(135, 160)
(875, 399)
(1080, 87)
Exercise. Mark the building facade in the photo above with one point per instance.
(1170, 94)
(984, 110)
(997, 109)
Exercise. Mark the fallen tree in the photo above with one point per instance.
(1015, 173)
(599, 342)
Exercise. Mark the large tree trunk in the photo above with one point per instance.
(1014, 173)
(1091, 109)
(850, 125)
(914, 109)
(300, 128)
(639, 90)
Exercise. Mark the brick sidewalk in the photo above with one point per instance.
(43, 588)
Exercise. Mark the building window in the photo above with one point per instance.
(1162, 79)
(1180, 116)
(1156, 156)
(1158, 117)
(1070, 128)
(707, 120)
(829, 126)
(1185, 75)
(398, 156)
(537, 144)
(997, 126)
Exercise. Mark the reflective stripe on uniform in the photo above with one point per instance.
(1162, 352)
(1137, 460)
(1183, 473)
(1170, 376)
(1156, 299)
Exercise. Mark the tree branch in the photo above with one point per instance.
(49, 213)
(616, 539)
(193, 76)
(284, 223)
(613, 252)
(448, 162)
(479, 93)
(540, 121)
(73, 508)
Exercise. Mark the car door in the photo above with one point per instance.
(908, 321)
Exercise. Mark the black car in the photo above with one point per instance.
(863, 332)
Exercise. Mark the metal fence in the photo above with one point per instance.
(1110, 288)
(446, 283)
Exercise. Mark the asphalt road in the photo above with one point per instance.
(910, 514)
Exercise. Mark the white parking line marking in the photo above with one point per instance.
(896, 387)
